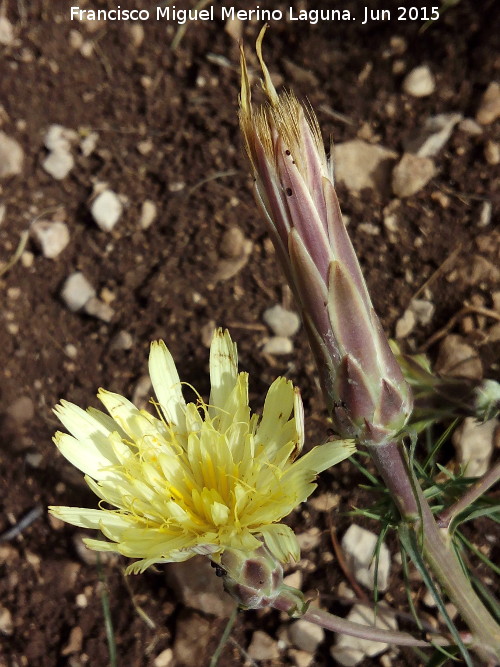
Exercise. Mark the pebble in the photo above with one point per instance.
(75, 641)
(136, 32)
(469, 126)
(489, 107)
(11, 156)
(492, 153)
(148, 214)
(325, 502)
(106, 210)
(456, 358)
(164, 659)
(411, 174)
(350, 651)
(485, 214)
(301, 658)
(362, 165)
(76, 291)
(474, 442)
(423, 310)
(309, 539)
(6, 31)
(358, 545)
(58, 164)
(98, 309)
(306, 636)
(22, 410)
(229, 266)
(405, 324)
(122, 341)
(59, 138)
(196, 586)
(191, 633)
(34, 459)
(419, 82)
(88, 144)
(278, 345)
(263, 647)
(51, 237)
(232, 244)
(282, 322)
(6, 622)
(433, 135)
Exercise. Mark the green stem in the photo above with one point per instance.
(392, 465)
(474, 491)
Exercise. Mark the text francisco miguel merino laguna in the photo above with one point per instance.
(181, 16)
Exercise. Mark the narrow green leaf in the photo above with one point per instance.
(409, 542)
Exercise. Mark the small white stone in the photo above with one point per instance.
(89, 143)
(457, 358)
(106, 210)
(51, 237)
(6, 31)
(349, 651)
(359, 545)
(98, 309)
(473, 441)
(164, 659)
(59, 138)
(136, 32)
(360, 165)
(469, 126)
(11, 156)
(6, 623)
(433, 135)
(419, 82)
(405, 324)
(34, 459)
(489, 107)
(411, 174)
(232, 245)
(76, 291)
(423, 310)
(309, 539)
(263, 647)
(305, 635)
(282, 322)
(485, 214)
(148, 214)
(122, 341)
(278, 345)
(22, 410)
(58, 164)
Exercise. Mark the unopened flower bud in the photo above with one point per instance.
(294, 186)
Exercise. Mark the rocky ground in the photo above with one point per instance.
(126, 215)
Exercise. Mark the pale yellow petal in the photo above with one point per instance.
(223, 369)
(167, 385)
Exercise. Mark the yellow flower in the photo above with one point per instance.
(199, 478)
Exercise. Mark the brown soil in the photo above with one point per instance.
(162, 281)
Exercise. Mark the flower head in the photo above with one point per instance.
(198, 478)
(294, 188)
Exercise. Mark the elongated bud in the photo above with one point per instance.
(294, 186)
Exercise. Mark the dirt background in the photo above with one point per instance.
(167, 132)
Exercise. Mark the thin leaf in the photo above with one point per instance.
(408, 540)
